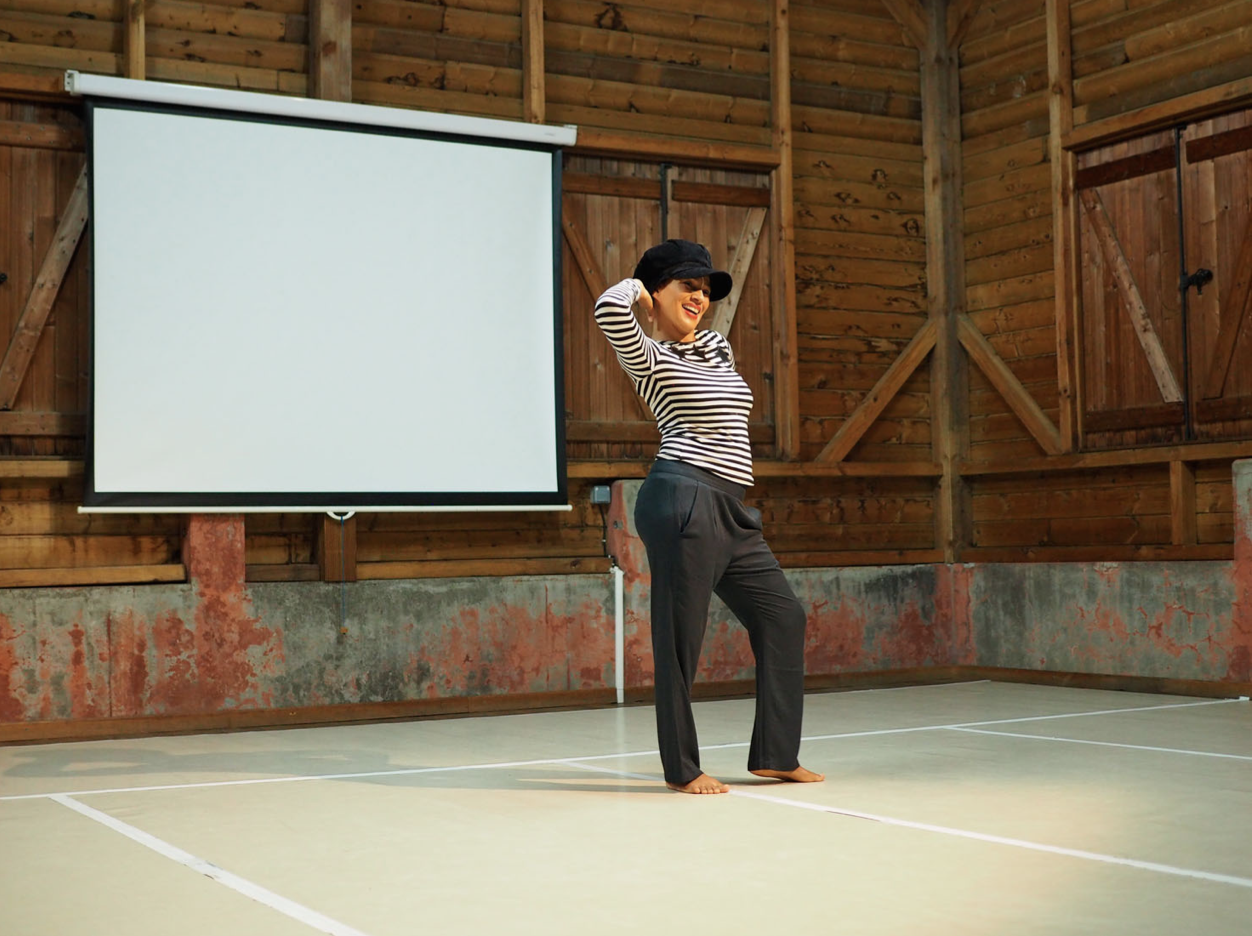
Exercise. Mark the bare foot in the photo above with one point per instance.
(701, 784)
(799, 775)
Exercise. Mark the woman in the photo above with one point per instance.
(699, 535)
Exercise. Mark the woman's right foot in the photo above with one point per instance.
(701, 784)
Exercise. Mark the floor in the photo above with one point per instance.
(975, 808)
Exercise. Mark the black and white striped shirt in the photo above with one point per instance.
(700, 402)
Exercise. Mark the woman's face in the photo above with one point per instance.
(678, 306)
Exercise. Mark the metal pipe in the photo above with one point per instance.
(619, 635)
(1183, 286)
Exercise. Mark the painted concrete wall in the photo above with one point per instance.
(216, 644)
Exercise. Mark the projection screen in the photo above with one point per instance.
(299, 314)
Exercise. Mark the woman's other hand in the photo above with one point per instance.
(644, 300)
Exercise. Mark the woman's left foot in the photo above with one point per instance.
(799, 775)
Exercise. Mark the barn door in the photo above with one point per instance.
(611, 212)
(1132, 324)
(1218, 197)
(43, 298)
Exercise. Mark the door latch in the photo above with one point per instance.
(1199, 279)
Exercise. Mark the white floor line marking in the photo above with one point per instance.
(997, 721)
(243, 886)
(1133, 747)
(407, 771)
(965, 833)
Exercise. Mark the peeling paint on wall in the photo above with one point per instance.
(215, 644)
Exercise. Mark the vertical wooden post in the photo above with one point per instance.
(1182, 517)
(1064, 219)
(336, 549)
(782, 207)
(533, 93)
(134, 53)
(945, 277)
(330, 49)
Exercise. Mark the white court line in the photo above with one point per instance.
(1133, 747)
(243, 886)
(964, 833)
(977, 724)
(409, 771)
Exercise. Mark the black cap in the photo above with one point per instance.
(676, 259)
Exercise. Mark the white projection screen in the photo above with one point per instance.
(307, 315)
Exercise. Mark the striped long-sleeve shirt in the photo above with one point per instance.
(700, 402)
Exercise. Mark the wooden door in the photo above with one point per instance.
(1217, 174)
(45, 382)
(614, 210)
(1132, 331)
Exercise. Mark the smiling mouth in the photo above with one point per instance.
(692, 311)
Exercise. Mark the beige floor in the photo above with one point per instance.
(556, 823)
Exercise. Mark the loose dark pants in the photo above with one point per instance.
(702, 539)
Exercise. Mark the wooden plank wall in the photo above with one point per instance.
(1126, 55)
(675, 75)
(860, 231)
(682, 77)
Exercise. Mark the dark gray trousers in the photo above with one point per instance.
(702, 539)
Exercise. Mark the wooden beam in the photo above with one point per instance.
(458, 568)
(1087, 461)
(585, 430)
(910, 15)
(534, 95)
(41, 136)
(961, 15)
(42, 424)
(1190, 107)
(1064, 220)
(28, 86)
(330, 49)
(783, 290)
(43, 295)
(42, 469)
(945, 279)
(1131, 299)
(1006, 383)
(771, 469)
(587, 264)
(706, 193)
(92, 575)
(585, 183)
(1182, 517)
(615, 144)
(336, 549)
(883, 392)
(134, 51)
(1234, 310)
(745, 250)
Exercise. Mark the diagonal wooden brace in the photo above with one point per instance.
(739, 266)
(34, 316)
(883, 392)
(1005, 381)
(1131, 298)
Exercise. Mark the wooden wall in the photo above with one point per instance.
(687, 83)
(1132, 61)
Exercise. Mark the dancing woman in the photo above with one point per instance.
(700, 536)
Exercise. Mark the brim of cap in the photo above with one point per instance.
(720, 282)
